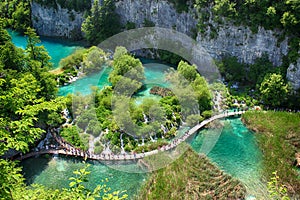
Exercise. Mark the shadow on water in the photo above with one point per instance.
(32, 167)
(54, 172)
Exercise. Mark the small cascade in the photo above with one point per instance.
(152, 140)
(173, 115)
(143, 141)
(122, 143)
(164, 129)
(146, 120)
(44, 143)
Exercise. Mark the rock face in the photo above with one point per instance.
(293, 75)
(243, 44)
(228, 40)
(56, 22)
(159, 12)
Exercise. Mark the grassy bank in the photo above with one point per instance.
(191, 177)
(279, 139)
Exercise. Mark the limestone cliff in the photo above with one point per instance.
(293, 75)
(56, 22)
(232, 40)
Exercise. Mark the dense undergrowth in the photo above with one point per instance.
(278, 136)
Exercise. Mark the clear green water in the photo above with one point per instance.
(235, 152)
(56, 48)
(83, 85)
(55, 172)
(154, 73)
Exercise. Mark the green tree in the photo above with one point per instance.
(71, 134)
(36, 53)
(11, 57)
(38, 62)
(94, 60)
(274, 90)
(129, 66)
(193, 120)
(120, 51)
(188, 71)
(102, 23)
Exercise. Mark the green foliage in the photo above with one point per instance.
(278, 138)
(148, 23)
(120, 51)
(193, 120)
(206, 114)
(77, 5)
(189, 72)
(85, 61)
(232, 70)
(16, 14)
(274, 90)
(130, 25)
(128, 66)
(150, 146)
(28, 108)
(73, 60)
(94, 60)
(71, 135)
(181, 5)
(102, 23)
(27, 94)
(10, 178)
(250, 75)
(198, 83)
(277, 191)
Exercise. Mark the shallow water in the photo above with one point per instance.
(56, 48)
(235, 151)
(54, 172)
(154, 74)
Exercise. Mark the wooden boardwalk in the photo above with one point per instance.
(69, 150)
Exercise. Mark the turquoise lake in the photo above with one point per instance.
(234, 149)
(57, 48)
(154, 74)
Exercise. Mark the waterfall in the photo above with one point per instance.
(122, 143)
(145, 118)
(143, 141)
(152, 140)
(45, 141)
(173, 115)
(165, 130)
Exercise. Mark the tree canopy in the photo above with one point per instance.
(102, 22)
(274, 90)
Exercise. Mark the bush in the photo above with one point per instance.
(206, 114)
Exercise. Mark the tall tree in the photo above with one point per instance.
(274, 90)
(102, 23)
